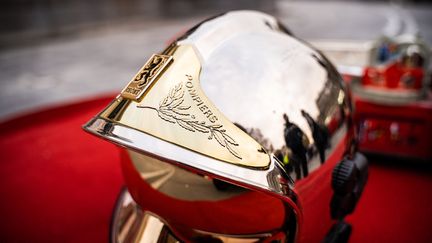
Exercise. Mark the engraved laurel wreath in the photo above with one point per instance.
(172, 109)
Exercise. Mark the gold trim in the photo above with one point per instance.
(176, 110)
(171, 109)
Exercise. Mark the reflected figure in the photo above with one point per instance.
(283, 155)
(297, 142)
(319, 134)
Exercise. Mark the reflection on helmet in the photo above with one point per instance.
(242, 102)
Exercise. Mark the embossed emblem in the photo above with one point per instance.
(172, 109)
(146, 76)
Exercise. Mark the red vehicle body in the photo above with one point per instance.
(393, 102)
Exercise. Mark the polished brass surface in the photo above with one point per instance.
(146, 76)
(179, 183)
(175, 109)
(133, 224)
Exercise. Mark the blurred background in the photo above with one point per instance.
(60, 183)
(59, 51)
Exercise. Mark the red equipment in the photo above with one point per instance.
(393, 102)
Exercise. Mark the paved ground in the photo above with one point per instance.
(103, 60)
(78, 67)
